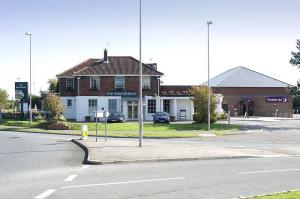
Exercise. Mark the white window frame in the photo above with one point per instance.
(165, 107)
(116, 83)
(70, 84)
(112, 108)
(92, 105)
(97, 83)
(69, 106)
(146, 82)
(151, 106)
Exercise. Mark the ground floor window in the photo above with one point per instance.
(93, 105)
(69, 103)
(112, 105)
(151, 106)
(167, 106)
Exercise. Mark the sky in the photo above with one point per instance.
(257, 34)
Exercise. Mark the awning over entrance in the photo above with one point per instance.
(247, 100)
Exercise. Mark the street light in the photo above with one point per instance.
(208, 85)
(30, 95)
(141, 80)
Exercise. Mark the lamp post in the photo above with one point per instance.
(30, 94)
(208, 85)
(141, 80)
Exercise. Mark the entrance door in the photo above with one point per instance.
(132, 110)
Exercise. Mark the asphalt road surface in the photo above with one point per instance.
(49, 166)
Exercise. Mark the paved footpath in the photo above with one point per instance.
(127, 151)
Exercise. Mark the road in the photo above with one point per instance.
(49, 166)
(30, 163)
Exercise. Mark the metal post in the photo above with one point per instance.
(141, 81)
(30, 94)
(105, 127)
(96, 114)
(208, 82)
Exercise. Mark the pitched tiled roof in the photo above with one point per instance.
(116, 65)
(244, 77)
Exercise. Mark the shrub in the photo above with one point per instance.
(202, 118)
(54, 106)
(200, 100)
(223, 116)
(54, 126)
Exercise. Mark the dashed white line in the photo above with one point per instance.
(254, 131)
(120, 183)
(268, 171)
(45, 194)
(70, 178)
(85, 166)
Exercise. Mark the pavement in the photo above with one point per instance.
(255, 141)
(127, 151)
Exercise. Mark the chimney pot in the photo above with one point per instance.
(105, 56)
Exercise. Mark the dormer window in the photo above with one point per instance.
(70, 84)
(120, 82)
(95, 83)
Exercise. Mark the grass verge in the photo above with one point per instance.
(129, 129)
(286, 195)
(173, 127)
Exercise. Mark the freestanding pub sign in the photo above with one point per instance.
(21, 90)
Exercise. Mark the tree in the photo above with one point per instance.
(3, 99)
(200, 100)
(295, 60)
(54, 106)
(53, 85)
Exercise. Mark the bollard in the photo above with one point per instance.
(84, 132)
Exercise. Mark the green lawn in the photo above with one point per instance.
(19, 123)
(174, 127)
(286, 195)
(129, 129)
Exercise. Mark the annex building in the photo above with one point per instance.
(247, 92)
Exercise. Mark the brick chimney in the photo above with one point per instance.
(105, 59)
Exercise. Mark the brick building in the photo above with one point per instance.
(112, 84)
(248, 92)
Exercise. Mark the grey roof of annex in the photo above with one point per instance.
(244, 77)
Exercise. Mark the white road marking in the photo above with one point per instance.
(45, 194)
(254, 131)
(70, 178)
(268, 171)
(274, 157)
(85, 166)
(125, 182)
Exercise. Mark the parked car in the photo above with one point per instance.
(116, 117)
(161, 117)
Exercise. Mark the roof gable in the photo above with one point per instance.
(244, 77)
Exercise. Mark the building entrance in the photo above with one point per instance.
(132, 110)
(246, 107)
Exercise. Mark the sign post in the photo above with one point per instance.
(96, 127)
(106, 115)
(97, 115)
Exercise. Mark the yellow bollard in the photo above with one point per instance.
(84, 132)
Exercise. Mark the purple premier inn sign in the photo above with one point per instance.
(277, 99)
